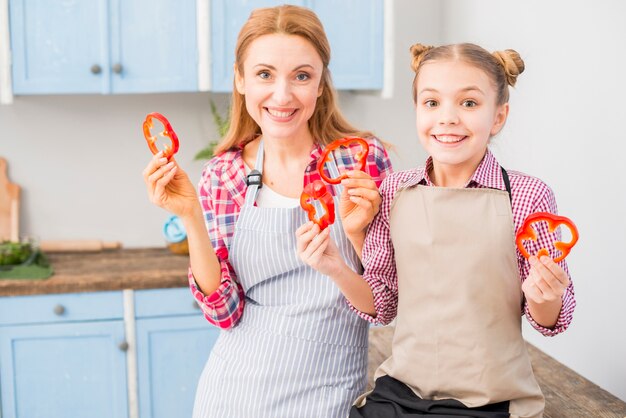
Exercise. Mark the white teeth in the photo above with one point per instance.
(279, 114)
(449, 138)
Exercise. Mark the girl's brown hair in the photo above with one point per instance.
(327, 123)
(502, 67)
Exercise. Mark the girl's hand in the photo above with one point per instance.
(546, 281)
(359, 202)
(169, 186)
(318, 250)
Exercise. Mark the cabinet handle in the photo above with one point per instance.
(123, 346)
(117, 68)
(96, 69)
(59, 310)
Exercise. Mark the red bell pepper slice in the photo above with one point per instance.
(360, 157)
(317, 190)
(526, 232)
(167, 132)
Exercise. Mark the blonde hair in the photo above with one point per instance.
(327, 123)
(502, 67)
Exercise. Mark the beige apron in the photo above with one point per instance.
(458, 330)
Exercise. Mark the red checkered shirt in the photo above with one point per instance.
(529, 195)
(222, 190)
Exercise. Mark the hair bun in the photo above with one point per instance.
(512, 63)
(417, 52)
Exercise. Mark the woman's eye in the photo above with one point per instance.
(469, 103)
(264, 75)
(430, 103)
(302, 77)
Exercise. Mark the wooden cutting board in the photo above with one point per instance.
(9, 206)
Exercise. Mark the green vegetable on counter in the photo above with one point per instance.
(13, 253)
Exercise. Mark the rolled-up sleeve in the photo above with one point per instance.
(224, 306)
(379, 262)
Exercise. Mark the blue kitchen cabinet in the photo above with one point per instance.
(103, 46)
(173, 344)
(62, 356)
(68, 355)
(354, 29)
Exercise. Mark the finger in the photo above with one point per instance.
(314, 245)
(155, 162)
(308, 231)
(548, 281)
(364, 204)
(556, 270)
(323, 241)
(161, 184)
(369, 194)
(358, 174)
(354, 182)
(159, 173)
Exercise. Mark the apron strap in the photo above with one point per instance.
(254, 179)
(507, 183)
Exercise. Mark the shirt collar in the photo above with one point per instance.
(488, 174)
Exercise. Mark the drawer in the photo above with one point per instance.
(61, 308)
(165, 302)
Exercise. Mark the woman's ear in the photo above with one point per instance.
(239, 83)
(501, 114)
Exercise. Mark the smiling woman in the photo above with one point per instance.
(289, 339)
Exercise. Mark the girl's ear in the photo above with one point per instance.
(239, 84)
(501, 114)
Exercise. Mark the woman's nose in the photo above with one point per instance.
(282, 92)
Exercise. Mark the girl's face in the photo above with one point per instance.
(456, 114)
(281, 83)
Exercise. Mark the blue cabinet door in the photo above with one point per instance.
(354, 29)
(153, 46)
(171, 353)
(59, 46)
(63, 370)
(103, 46)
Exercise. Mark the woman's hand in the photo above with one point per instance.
(318, 250)
(169, 186)
(544, 288)
(359, 202)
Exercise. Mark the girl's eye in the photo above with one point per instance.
(264, 75)
(302, 77)
(469, 103)
(430, 103)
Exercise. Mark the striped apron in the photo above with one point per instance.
(298, 350)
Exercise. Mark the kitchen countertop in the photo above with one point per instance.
(145, 268)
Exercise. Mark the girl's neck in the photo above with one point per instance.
(283, 151)
(453, 175)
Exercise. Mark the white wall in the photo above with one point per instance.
(79, 158)
(566, 127)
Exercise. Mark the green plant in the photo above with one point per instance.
(14, 252)
(222, 123)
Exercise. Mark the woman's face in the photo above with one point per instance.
(281, 84)
(457, 113)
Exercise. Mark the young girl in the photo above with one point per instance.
(290, 346)
(440, 255)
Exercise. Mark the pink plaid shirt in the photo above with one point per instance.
(529, 195)
(222, 190)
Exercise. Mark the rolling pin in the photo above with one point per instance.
(82, 245)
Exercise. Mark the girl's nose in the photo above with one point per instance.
(448, 115)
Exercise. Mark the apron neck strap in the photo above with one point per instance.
(254, 179)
